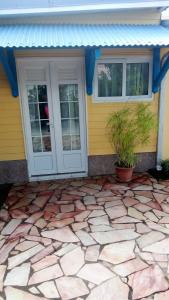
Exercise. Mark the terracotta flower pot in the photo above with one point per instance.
(124, 174)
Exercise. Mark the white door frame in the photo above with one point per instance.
(19, 62)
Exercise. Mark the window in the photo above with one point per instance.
(122, 79)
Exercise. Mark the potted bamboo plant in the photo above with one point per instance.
(128, 129)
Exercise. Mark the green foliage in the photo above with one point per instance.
(129, 128)
(165, 165)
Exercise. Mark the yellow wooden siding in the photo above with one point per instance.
(11, 136)
(165, 131)
(98, 114)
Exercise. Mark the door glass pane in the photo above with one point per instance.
(68, 92)
(39, 118)
(64, 107)
(37, 145)
(32, 93)
(70, 122)
(35, 128)
(34, 111)
(137, 79)
(74, 109)
(46, 143)
(75, 142)
(110, 79)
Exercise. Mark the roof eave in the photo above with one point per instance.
(84, 8)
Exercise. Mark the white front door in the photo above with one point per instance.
(54, 115)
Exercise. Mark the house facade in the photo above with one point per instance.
(64, 68)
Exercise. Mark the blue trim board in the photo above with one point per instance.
(91, 54)
(156, 68)
(7, 59)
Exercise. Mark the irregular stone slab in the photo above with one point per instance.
(49, 290)
(82, 216)
(63, 235)
(129, 201)
(41, 223)
(61, 223)
(142, 228)
(162, 296)
(65, 249)
(161, 247)
(46, 274)
(45, 262)
(70, 287)
(147, 282)
(149, 215)
(2, 273)
(85, 238)
(160, 197)
(18, 276)
(126, 219)
(95, 228)
(97, 213)
(150, 238)
(118, 252)
(11, 226)
(20, 231)
(72, 261)
(6, 249)
(20, 258)
(111, 202)
(112, 289)
(79, 205)
(143, 188)
(142, 207)
(26, 245)
(33, 218)
(16, 294)
(123, 226)
(79, 226)
(158, 227)
(92, 253)
(143, 199)
(46, 251)
(67, 208)
(88, 200)
(116, 211)
(41, 200)
(130, 267)
(132, 212)
(95, 273)
(114, 236)
(165, 207)
(164, 220)
(99, 221)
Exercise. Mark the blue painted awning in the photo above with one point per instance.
(57, 35)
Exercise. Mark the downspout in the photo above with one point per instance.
(161, 117)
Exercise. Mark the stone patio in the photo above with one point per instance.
(91, 239)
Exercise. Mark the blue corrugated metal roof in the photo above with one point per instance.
(54, 35)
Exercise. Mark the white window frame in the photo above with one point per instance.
(124, 97)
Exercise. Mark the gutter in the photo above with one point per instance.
(84, 8)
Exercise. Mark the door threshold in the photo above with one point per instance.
(57, 176)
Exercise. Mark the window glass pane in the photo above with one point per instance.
(32, 93)
(74, 109)
(33, 111)
(37, 146)
(42, 93)
(137, 79)
(110, 79)
(75, 142)
(64, 107)
(46, 143)
(35, 128)
(66, 139)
